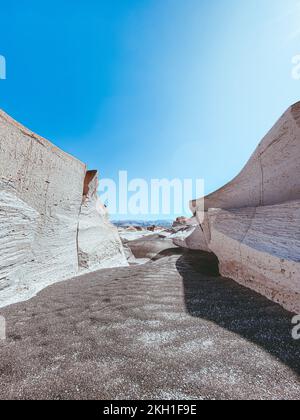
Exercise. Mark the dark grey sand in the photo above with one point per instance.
(172, 329)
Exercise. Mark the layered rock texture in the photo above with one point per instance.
(49, 225)
(99, 244)
(253, 223)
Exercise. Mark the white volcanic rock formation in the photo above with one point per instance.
(99, 244)
(256, 231)
(190, 236)
(272, 174)
(260, 248)
(41, 210)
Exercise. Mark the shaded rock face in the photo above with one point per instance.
(259, 247)
(191, 236)
(255, 232)
(41, 198)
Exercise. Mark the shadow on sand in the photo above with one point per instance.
(236, 308)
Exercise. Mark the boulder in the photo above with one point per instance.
(150, 247)
(180, 221)
(191, 236)
(131, 229)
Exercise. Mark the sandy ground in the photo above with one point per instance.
(171, 329)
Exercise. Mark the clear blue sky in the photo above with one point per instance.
(161, 88)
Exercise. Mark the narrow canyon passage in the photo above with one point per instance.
(171, 329)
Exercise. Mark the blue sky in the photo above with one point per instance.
(160, 88)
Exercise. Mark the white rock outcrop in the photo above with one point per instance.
(253, 223)
(192, 236)
(41, 208)
(272, 174)
(99, 244)
(259, 247)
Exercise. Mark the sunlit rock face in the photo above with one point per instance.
(252, 224)
(271, 176)
(99, 243)
(41, 196)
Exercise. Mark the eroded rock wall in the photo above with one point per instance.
(99, 243)
(252, 224)
(271, 176)
(41, 195)
(259, 247)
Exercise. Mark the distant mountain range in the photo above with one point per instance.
(143, 223)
